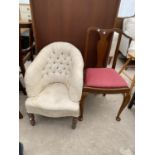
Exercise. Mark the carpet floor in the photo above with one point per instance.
(98, 134)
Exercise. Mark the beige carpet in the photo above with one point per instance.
(98, 134)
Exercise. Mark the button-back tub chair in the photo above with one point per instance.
(54, 82)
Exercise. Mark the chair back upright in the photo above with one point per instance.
(98, 45)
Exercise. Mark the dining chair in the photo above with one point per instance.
(98, 78)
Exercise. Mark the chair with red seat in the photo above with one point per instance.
(98, 78)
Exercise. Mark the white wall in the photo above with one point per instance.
(127, 8)
(24, 1)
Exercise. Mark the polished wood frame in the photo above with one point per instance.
(103, 45)
(25, 54)
(68, 20)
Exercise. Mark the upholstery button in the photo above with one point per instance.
(57, 67)
(57, 57)
(61, 53)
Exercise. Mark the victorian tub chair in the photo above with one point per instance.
(54, 82)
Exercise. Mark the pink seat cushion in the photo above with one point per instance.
(104, 77)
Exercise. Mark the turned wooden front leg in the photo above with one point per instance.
(82, 106)
(32, 119)
(74, 122)
(124, 104)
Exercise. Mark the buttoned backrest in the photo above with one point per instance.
(56, 63)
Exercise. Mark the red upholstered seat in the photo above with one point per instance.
(104, 78)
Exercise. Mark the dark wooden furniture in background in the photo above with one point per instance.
(68, 20)
(119, 22)
(101, 40)
(26, 53)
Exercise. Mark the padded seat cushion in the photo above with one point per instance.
(104, 78)
(53, 101)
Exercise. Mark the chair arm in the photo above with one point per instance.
(122, 33)
(76, 86)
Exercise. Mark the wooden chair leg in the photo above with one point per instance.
(20, 115)
(32, 119)
(74, 122)
(82, 106)
(124, 104)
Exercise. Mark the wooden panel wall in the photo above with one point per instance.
(68, 20)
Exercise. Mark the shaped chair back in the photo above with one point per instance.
(98, 45)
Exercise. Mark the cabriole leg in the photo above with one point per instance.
(124, 104)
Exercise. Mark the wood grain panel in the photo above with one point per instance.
(68, 20)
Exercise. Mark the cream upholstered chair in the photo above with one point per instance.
(54, 82)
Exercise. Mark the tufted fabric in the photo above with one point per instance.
(53, 101)
(104, 78)
(58, 62)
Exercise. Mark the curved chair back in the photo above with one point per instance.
(58, 62)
